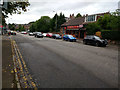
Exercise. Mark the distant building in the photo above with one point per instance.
(26, 26)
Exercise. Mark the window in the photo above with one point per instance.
(90, 18)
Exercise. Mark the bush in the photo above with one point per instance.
(92, 28)
(110, 34)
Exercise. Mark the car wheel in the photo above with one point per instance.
(97, 44)
(84, 42)
(69, 40)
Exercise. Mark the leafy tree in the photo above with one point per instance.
(14, 7)
(46, 24)
(32, 29)
(11, 26)
(92, 28)
(41, 25)
(104, 22)
(116, 13)
(109, 22)
(59, 19)
(21, 28)
(78, 15)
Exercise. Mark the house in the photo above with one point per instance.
(73, 27)
(76, 26)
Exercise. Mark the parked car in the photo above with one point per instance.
(13, 33)
(44, 34)
(94, 40)
(38, 35)
(56, 36)
(31, 34)
(34, 33)
(69, 38)
(23, 32)
(49, 35)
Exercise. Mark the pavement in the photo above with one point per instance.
(60, 64)
(8, 76)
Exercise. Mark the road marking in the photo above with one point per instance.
(21, 69)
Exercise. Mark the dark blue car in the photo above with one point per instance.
(69, 38)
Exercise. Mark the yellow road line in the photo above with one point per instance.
(20, 57)
(34, 85)
(18, 84)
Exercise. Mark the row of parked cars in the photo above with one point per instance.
(41, 35)
(50, 35)
(89, 39)
(9, 32)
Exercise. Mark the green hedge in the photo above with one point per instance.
(110, 34)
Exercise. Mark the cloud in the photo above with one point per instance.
(40, 8)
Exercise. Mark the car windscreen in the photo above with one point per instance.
(39, 33)
(98, 38)
(70, 36)
(57, 35)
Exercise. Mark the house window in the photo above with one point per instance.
(90, 18)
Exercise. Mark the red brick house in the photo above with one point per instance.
(76, 26)
(73, 27)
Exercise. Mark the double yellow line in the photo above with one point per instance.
(18, 61)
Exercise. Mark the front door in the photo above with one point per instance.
(82, 33)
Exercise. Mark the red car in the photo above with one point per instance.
(49, 35)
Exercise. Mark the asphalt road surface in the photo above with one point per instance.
(61, 64)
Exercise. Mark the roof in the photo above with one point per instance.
(88, 22)
(75, 21)
(100, 14)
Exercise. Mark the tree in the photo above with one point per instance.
(60, 20)
(109, 22)
(92, 28)
(41, 25)
(78, 15)
(14, 7)
(104, 22)
(46, 24)
(116, 13)
(21, 28)
(11, 26)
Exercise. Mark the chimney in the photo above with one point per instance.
(73, 15)
(70, 15)
(86, 14)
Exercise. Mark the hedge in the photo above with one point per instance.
(110, 34)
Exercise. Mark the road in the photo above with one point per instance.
(61, 64)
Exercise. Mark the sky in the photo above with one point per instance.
(49, 8)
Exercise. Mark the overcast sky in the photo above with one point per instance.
(40, 8)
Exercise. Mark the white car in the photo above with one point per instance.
(44, 34)
(31, 34)
(23, 32)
